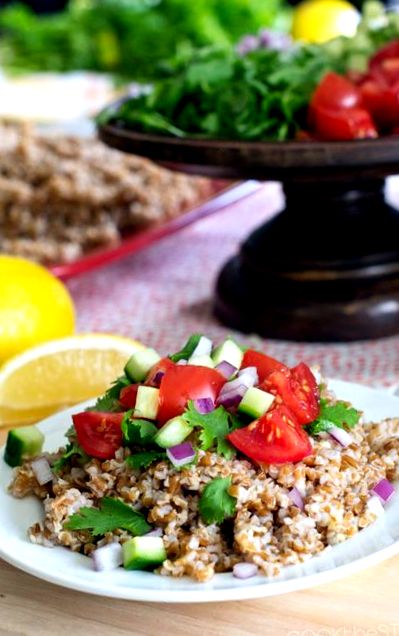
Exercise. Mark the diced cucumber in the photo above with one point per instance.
(142, 553)
(147, 403)
(173, 432)
(188, 349)
(202, 361)
(229, 351)
(256, 402)
(23, 442)
(139, 364)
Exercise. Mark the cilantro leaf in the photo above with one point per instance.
(214, 428)
(109, 402)
(72, 449)
(136, 431)
(215, 504)
(338, 414)
(113, 514)
(144, 459)
(186, 352)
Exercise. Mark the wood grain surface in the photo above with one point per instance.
(362, 605)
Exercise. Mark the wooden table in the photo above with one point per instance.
(362, 605)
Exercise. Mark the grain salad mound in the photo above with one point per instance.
(267, 528)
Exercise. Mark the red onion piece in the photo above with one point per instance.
(232, 398)
(108, 557)
(245, 570)
(158, 377)
(157, 532)
(340, 435)
(384, 490)
(296, 498)
(226, 369)
(42, 470)
(250, 375)
(181, 454)
(182, 362)
(204, 405)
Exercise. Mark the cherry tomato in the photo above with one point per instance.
(382, 102)
(384, 65)
(99, 434)
(341, 125)
(128, 395)
(297, 390)
(264, 364)
(153, 379)
(183, 383)
(336, 92)
(276, 438)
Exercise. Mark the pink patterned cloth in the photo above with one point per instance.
(163, 294)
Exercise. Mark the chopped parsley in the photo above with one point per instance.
(109, 402)
(338, 414)
(144, 459)
(216, 504)
(136, 431)
(112, 515)
(214, 428)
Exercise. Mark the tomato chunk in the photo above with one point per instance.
(297, 390)
(264, 364)
(276, 438)
(336, 92)
(154, 375)
(128, 395)
(183, 383)
(384, 64)
(383, 103)
(99, 434)
(341, 125)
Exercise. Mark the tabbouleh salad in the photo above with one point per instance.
(213, 459)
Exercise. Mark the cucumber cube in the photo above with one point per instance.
(147, 403)
(142, 553)
(256, 402)
(173, 432)
(23, 442)
(139, 364)
(202, 361)
(229, 351)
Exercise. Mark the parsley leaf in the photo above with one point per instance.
(113, 514)
(186, 352)
(73, 448)
(214, 428)
(136, 431)
(215, 504)
(144, 459)
(109, 402)
(338, 414)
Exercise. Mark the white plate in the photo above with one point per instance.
(63, 567)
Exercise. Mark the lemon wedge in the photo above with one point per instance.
(60, 373)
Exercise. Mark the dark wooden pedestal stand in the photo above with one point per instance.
(327, 267)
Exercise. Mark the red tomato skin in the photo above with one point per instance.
(341, 125)
(297, 390)
(336, 92)
(183, 383)
(276, 438)
(264, 364)
(162, 366)
(382, 102)
(128, 395)
(99, 434)
(377, 64)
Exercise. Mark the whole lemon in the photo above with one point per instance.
(34, 306)
(323, 20)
